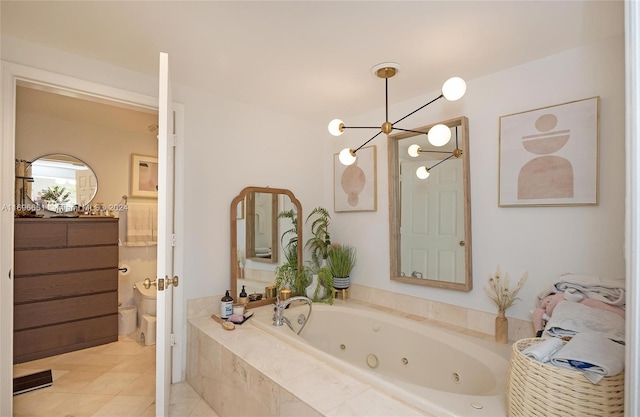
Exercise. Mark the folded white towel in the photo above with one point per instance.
(578, 287)
(569, 319)
(543, 351)
(593, 354)
(141, 224)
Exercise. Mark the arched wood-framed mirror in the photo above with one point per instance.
(430, 219)
(279, 200)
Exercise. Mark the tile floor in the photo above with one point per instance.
(112, 380)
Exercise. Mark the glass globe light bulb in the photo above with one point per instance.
(439, 135)
(336, 127)
(414, 150)
(347, 156)
(422, 173)
(454, 88)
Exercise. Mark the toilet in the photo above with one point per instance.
(145, 299)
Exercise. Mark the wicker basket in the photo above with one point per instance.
(538, 389)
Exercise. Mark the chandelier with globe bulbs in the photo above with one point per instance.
(439, 135)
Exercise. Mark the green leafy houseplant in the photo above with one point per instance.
(288, 275)
(318, 243)
(341, 259)
(56, 195)
(290, 248)
(323, 290)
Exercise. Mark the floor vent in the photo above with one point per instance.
(32, 382)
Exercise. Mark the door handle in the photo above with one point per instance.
(160, 282)
(148, 283)
(172, 281)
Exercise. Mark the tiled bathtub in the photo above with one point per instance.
(248, 372)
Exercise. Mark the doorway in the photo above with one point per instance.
(104, 136)
(13, 74)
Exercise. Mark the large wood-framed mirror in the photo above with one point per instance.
(430, 219)
(247, 268)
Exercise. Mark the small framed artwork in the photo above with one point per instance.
(354, 186)
(549, 156)
(144, 176)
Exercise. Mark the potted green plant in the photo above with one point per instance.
(290, 247)
(340, 260)
(320, 289)
(55, 196)
(288, 275)
(318, 243)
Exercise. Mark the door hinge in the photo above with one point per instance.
(173, 239)
(175, 140)
(173, 339)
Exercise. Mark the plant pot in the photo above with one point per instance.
(502, 328)
(341, 283)
(311, 289)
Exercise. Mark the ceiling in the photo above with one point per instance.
(312, 59)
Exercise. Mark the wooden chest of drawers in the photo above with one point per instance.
(66, 285)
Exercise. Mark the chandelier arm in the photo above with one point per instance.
(409, 130)
(372, 138)
(441, 152)
(361, 127)
(419, 108)
(445, 159)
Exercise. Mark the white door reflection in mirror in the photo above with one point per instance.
(433, 222)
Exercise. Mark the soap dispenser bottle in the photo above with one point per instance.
(243, 296)
(226, 306)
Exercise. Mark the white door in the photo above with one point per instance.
(434, 227)
(85, 186)
(165, 270)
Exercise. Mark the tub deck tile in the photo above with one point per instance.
(371, 403)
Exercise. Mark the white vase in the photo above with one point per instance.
(312, 287)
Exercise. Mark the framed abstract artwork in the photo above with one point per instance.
(549, 156)
(354, 186)
(144, 176)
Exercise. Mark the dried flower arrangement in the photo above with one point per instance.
(500, 292)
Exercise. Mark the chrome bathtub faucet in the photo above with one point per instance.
(278, 314)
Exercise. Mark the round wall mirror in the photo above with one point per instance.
(60, 182)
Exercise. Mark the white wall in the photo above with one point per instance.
(545, 241)
(232, 145)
